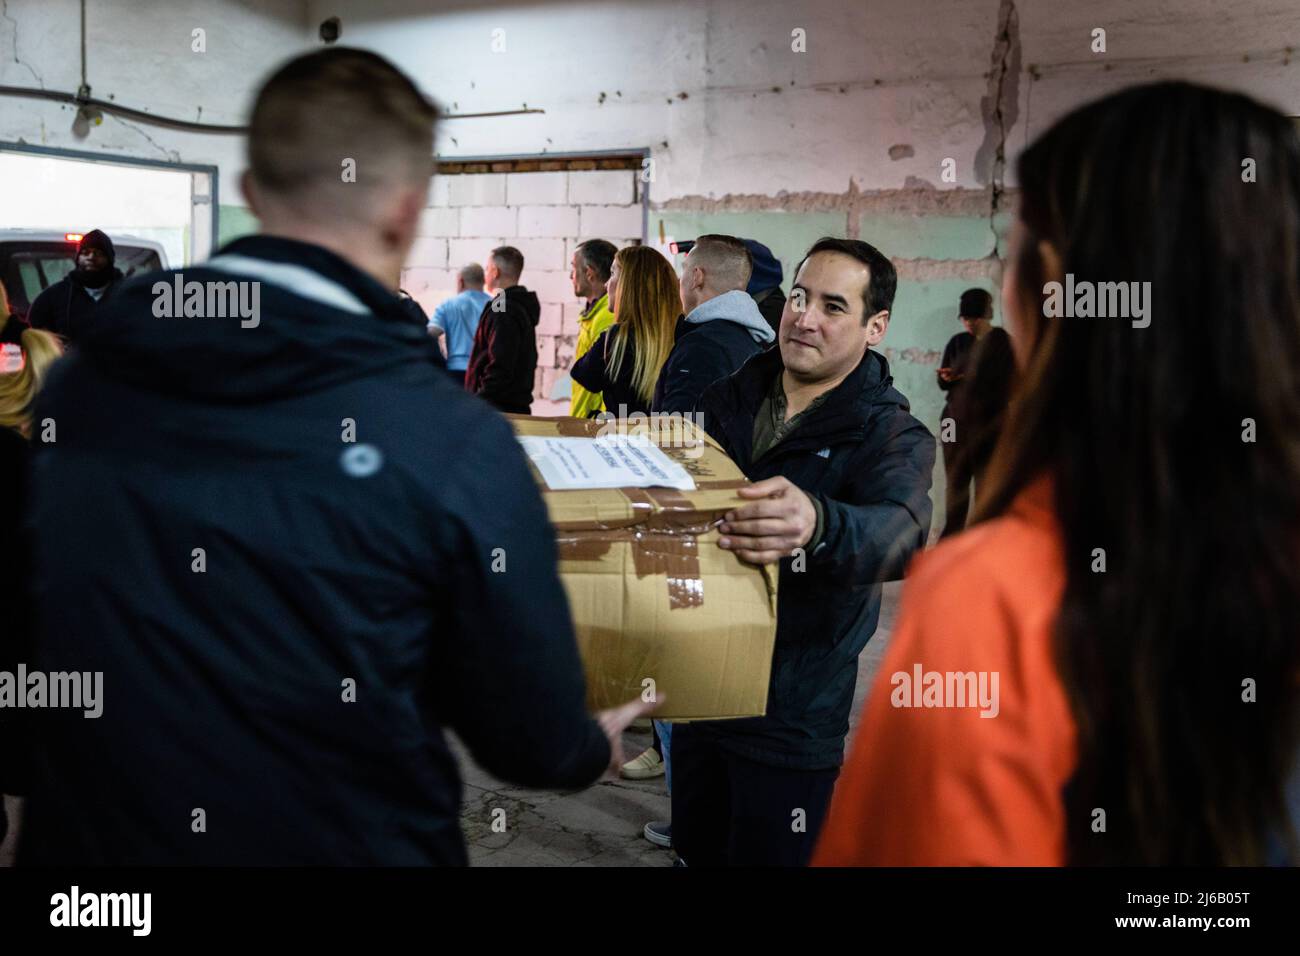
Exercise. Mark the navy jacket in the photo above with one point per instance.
(243, 526)
(869, 462)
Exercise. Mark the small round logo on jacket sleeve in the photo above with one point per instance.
(361, 461)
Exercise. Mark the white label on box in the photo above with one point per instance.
(610, 461)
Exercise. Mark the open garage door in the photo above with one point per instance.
(57, 190)
(158, 214)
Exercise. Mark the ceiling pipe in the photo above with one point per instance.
(142, 116)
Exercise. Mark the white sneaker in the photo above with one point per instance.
(644, 767)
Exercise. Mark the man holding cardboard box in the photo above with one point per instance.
(841, 474)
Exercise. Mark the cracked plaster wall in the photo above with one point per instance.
(747, 135)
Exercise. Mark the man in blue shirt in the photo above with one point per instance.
(457, 318)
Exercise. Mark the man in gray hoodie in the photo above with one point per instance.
(722, 328)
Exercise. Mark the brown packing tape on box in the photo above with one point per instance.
(652, 595)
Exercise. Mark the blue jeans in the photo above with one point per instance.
(665, 731)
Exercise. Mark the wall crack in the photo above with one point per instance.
(4, 12)
(1000, 109)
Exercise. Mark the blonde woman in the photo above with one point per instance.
(624, 363)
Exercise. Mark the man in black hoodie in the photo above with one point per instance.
(503, 362)
(293, 548)
(68, 307)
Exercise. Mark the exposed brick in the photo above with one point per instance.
(552, 221)
(550, 408)
(545, 351)
(552, 286)
(562, 388)
(439, 222)
(547, 254)
(572, 312)
(417, 280)
(461, 252)
(427, 252)
(488, 221)
(550, 322)
(611, 186)
(537, 189)
(429, 287)
(485, 189)
(610, 220)
(438, 190)
(564, 348)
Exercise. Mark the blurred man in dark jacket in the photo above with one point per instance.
(721, 329)
(840, 500)
(293, 548)
(503, 362)
(68, 307)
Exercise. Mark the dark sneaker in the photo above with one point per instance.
(660, 833)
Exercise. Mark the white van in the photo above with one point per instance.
(32, 260)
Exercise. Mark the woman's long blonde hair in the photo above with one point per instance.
(648, 304)
(18, 389)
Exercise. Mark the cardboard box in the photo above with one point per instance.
(653, 597)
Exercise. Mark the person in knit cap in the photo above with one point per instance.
(67, 308)
(765, 283)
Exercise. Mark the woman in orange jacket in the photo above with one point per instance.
(1103, 670)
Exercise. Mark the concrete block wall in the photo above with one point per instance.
(545, 216)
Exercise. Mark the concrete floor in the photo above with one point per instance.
(599, 826)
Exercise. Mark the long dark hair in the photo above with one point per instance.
(1176, 450)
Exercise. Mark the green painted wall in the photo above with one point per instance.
(233, 222)
(925, 311)
(788, 235)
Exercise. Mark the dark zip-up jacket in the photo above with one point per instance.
(868, 462)
(298, 553)
(503, 362)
